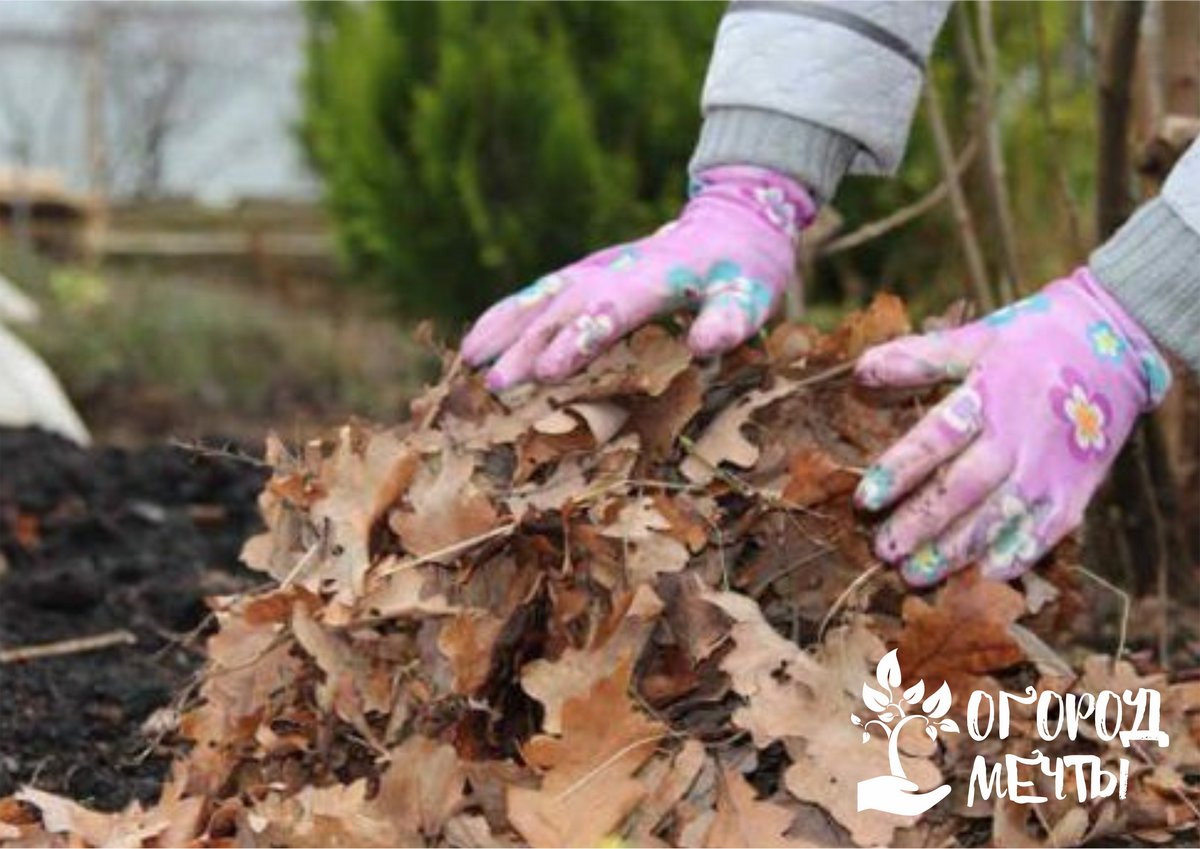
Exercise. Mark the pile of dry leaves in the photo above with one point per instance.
(634, 609)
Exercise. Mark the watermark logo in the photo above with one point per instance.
(895, 793)
(1084, 776)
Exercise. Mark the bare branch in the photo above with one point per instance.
(976, 270)
(875, 229)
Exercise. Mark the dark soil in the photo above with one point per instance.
(92, 541)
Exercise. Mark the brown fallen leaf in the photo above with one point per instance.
(814, 477)
(421, 788)
(659, 420)
(555, 683)
(807, 702)
(364, 476)
(353, 687)
(130, 827)
(467, 641)
(648, 547)
(963, 636)
(723, 440)
(883, 319)
(744, 820)
(446, 507)
(666, 786)
(1017, 826)
(588, 785)
(403, 593)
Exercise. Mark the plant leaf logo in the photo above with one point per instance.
(895, 793)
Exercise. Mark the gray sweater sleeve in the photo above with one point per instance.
(1152, 264)
(816, 89)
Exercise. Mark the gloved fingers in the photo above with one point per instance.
(941, 435)
(622, 288)
(1006, 534)
(596, 327)
(516, 364)
(925, 360)
(1023, 534)
(499, 327)
(952, 492)
(957, 547)
(733, 310)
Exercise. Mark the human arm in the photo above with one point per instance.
(797, 92)
(1051, 387)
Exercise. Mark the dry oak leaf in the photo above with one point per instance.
(962, 636)
(723, 441)
(467, 641)
(744, 820)
(648, 548)
(176, 820)
(353, 687)
(830, 757)
(668, 780)
(334, 816)
(565, 484)
(555, 683)
(588, 774)
(403, 594)
(1019, 827)
(247, 663)
(601, 418)
(659, 420)
(645, 364)
(883, 319)
(422, 788)
(447, 508)
(814, 477)
(365, 475)
(807, 701)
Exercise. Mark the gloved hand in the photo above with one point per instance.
(1003, 467)
(731, 252)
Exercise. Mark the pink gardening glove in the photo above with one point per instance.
(1003, 467)
(731, 253)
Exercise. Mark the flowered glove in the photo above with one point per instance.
(731, 253)
(1003, 467)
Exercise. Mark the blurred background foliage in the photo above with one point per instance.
(466, 148)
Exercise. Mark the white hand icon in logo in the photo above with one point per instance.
(896, 793)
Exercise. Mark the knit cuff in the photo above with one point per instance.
(813, 155)
(1152, 267)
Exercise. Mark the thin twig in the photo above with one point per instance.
(1050, 130)
(857, 583)
(1125, 604)
(452, 549)
(443, 389)
(976, 269)
(303, 563)
(201, 450)
(993, 152)
(875, 229)
(75, 645)
(611, 759)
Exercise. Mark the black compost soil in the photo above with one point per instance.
(93, 541)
